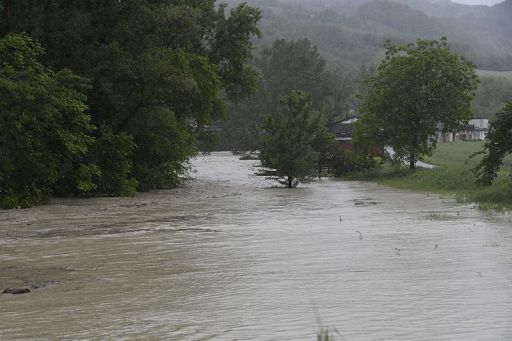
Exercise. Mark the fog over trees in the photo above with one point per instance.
(349, 32)
(350, 36)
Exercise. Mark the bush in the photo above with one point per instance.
(46, 130)
(343, 162)
(112, 153)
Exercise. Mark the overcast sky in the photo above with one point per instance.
(479, 2)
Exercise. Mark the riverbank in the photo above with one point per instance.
(453, 177)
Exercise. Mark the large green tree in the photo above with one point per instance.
(293, 138)
(160, 71)
(417, 87)
(497, 146)
(45, 127)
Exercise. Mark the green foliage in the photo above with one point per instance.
(350, 33)
(293, 137)
(232, 47)
(46, 131)
(111, 153)
(417, 87)
(160, 72)
(494, 91)
(344, 162)
(497, 146)
(286, 66)
(85, 183)
(292, 65)
(453, 177)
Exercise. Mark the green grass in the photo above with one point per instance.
(456, 154)
(453, 177)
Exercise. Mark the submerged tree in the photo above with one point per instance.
(292, 139)
(497, 146)
(417, 86)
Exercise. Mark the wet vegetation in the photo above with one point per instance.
(293, 139)
(350, 32)
(494, 91)
(349, 36)
(417, 87)
(454, 176)
(111, 97)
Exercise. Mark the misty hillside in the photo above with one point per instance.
(351, 32)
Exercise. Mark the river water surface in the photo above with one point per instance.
(227, 257)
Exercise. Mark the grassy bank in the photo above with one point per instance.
(453, 177)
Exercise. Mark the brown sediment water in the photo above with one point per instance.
(227, 257)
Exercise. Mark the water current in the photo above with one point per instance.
(228, 257)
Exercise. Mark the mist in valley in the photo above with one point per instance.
(350, 37)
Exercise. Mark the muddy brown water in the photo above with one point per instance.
(226, 257)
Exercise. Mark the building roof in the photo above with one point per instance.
(472, 127)
(343, 131)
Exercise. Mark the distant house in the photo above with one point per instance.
(475, 130)
(343, 131)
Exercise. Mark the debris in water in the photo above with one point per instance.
(135, 205)
(16, 291)
(365, 202)
(397, 251)
(40, 285)
(360, 235)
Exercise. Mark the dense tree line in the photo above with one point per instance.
(107, 97)
(283, 67)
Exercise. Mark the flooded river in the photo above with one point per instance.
(227, 257)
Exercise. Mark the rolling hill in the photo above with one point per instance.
(352, 32)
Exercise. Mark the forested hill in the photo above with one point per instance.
(350, 32)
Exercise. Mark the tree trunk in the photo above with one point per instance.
(412, 162)
(290, 182)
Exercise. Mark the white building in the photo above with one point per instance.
(475, 130)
